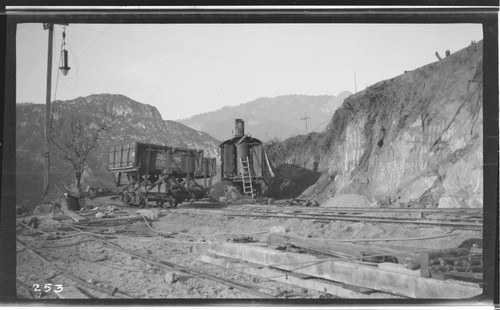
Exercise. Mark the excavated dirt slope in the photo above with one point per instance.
(414, 140)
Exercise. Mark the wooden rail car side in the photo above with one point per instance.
(155, 173)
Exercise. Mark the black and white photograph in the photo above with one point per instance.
(284, 160)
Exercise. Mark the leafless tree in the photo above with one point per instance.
(75, 137)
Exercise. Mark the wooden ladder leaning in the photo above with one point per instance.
(246, 177)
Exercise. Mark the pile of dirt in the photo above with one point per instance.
(290, 181)
(348, 201)
(218, 190)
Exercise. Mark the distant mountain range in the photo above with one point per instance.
(128, 120)
(268, 118)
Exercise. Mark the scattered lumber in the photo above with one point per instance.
(77, 218)
(349, 273)
(116, 219)
(165, 264)
(72, 277)
(342, 249)
(322, 286)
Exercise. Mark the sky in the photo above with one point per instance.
(188, 69)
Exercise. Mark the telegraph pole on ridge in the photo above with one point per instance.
(305, 118)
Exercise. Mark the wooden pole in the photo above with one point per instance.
(46, 148)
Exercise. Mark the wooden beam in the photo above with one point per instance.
(115, 219)
(349, 273)
(324, 286)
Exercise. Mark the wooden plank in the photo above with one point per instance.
(349, 273)
(77, 218)
(311, 284)
(71, 292)
(465, 275)
(398, 268)
(117, 219)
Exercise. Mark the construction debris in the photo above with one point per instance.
(302, 202)
(151, 214)
(351, 273)
(317, 265)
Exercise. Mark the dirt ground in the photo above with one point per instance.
(106, 267)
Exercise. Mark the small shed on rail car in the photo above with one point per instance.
(245, 162)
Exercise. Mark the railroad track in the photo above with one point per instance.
(465, 219)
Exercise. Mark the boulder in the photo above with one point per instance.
(417, 188)
(232, 193)
(448, 202)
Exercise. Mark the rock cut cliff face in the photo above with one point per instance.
(415, 139)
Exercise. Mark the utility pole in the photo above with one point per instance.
(355, 84)
(305, 118)
(46, 146)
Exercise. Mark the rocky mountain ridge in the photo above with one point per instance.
(127, 120)
(269, 118)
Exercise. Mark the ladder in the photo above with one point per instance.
(246, 177)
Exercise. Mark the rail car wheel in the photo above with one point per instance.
(160, 204)
(173, 203)
(126, 198)
(140, 200)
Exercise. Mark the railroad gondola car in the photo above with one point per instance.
(155, 173)
(245, 162)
